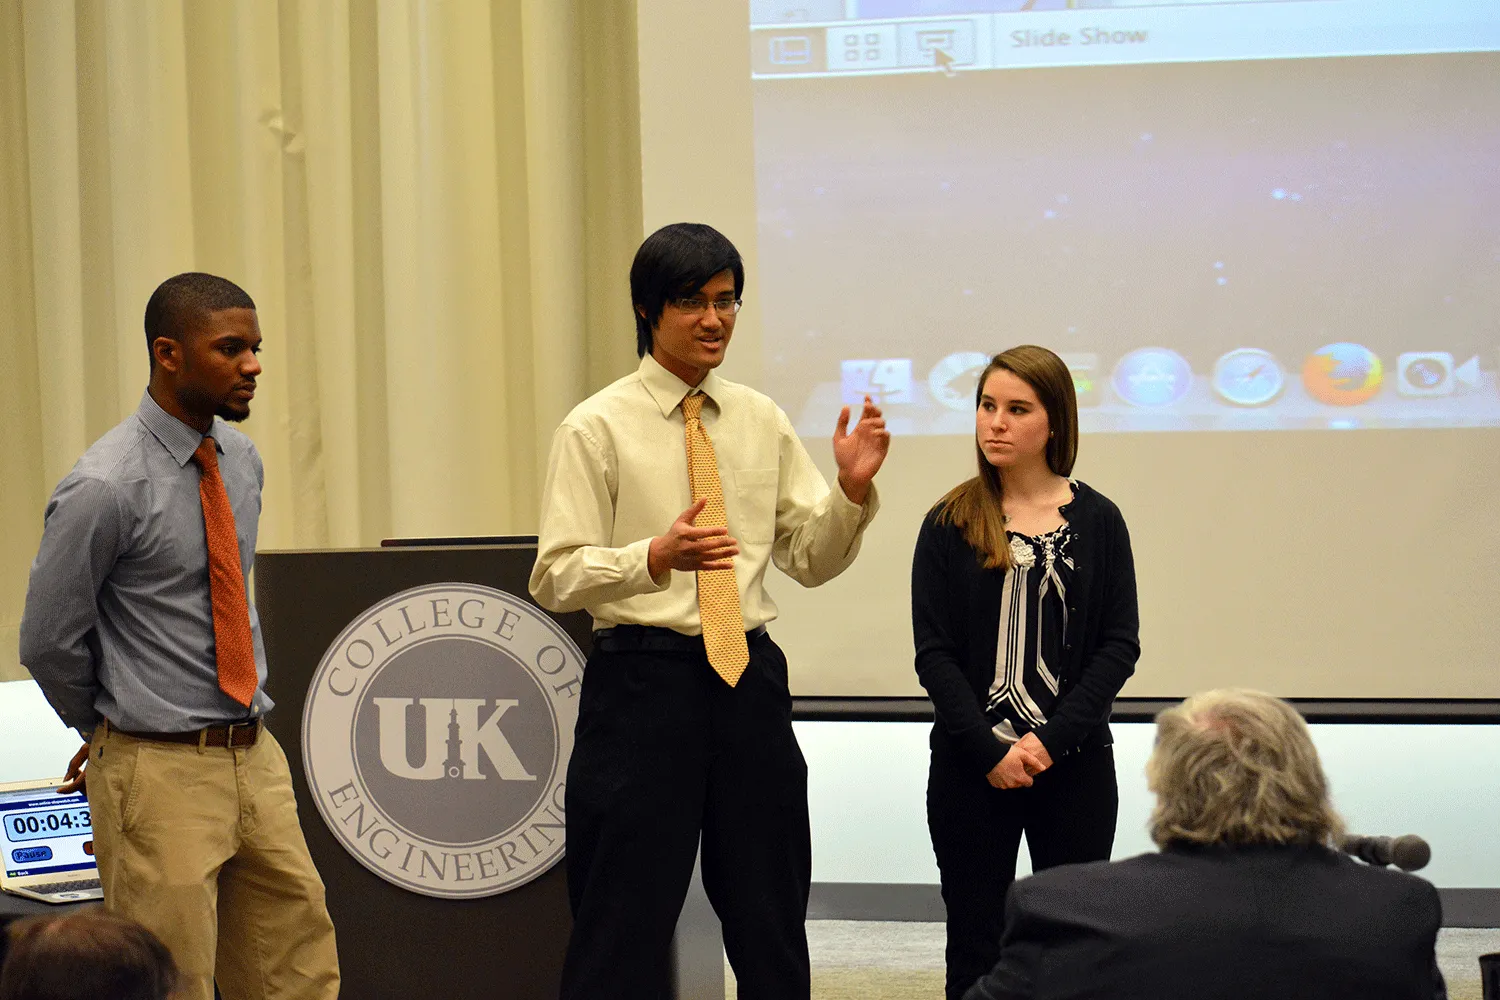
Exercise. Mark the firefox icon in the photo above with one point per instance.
(1342, 374)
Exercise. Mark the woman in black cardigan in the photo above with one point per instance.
(1024, 616)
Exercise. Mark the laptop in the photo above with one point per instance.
(48, 841)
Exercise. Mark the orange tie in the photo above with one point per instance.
(718, 590)
(233, 646)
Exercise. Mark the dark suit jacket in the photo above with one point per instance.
(1218, 923)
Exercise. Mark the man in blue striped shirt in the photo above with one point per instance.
(195, 825)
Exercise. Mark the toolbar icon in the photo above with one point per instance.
(885, 381)
(868, 46)
(788, 50)
(938, 43)
(791, 50)
(1248, 376)
(954, 381)
(1467, 374)
(1152, 376)
(1342, 374)
(1424, 373)
(1084, 367)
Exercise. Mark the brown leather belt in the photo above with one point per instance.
(234, 736)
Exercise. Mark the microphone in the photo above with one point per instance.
(1407, 853)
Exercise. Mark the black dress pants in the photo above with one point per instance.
(1068, 816)
(665, 751)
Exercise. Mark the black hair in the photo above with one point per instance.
(180, 304)
(676, 261)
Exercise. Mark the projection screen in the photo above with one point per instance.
(1264, 235)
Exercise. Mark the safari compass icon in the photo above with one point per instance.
(436, 739)
(1248, 377)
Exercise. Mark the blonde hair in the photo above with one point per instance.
(1234, 766)
(974, 506)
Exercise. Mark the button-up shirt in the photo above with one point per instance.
(618, 477)
(118, 620)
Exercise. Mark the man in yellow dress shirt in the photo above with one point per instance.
(677, 740)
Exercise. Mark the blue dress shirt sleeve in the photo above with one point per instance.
(84, 535)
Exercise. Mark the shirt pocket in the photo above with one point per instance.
(754, 514)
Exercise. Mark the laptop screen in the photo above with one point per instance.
(43, 833)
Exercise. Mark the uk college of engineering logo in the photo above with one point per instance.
(436, 739)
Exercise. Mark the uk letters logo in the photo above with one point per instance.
(436, 739)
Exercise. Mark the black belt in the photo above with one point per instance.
(652, 638)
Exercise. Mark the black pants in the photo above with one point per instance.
(1068, 816)
(666, 751)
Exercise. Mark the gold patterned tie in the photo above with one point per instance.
(718, 591)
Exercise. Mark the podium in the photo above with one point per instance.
(415, 835)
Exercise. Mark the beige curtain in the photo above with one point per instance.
(433, 202)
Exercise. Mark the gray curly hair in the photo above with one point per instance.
(1235, 766)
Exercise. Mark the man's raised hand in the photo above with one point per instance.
(860, 452)
(690, 548)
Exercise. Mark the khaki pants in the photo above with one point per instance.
(204, 848)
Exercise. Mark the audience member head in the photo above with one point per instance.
(1238, 767)
(88, 955)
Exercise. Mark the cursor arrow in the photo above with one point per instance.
(943, 61)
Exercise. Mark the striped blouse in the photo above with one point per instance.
(1033, 621)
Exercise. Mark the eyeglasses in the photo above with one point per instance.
(697, 306)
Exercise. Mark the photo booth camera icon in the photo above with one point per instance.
(1425, 373)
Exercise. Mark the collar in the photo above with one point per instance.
(1223, 849)
(668, 390)
(178, 438)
